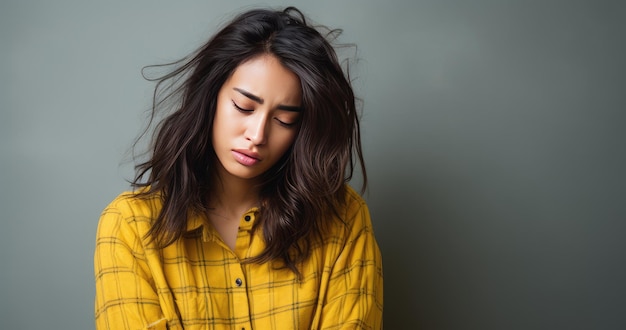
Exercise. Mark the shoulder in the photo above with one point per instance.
(130, 210)
(133, 203)
(352, 232)
(354, 199)
(354, 215)
(354, 205)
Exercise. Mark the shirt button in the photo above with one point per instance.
(247, 218)
(238, 282)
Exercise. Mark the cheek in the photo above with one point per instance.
(287, 141)
(221, 130)
(216, 133)
(223, 122)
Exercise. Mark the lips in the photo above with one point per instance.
(246, 157)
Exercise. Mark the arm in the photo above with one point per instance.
(125, 295)
(354, 299)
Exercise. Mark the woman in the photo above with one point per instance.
(242, 218)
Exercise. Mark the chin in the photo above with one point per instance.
(244, 174)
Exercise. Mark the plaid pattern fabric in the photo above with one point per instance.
(200, 283)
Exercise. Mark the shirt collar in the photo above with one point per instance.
(199, 222)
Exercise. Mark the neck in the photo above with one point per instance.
(232, 196)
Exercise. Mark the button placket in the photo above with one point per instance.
(239, 296)
(246, 222)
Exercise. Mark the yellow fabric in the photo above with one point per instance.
(193, 283)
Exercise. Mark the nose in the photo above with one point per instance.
(256, 131)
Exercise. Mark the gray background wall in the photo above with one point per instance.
(493, 130)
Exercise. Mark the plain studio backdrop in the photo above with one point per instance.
(494, 132)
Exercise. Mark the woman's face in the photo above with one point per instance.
(257, 115)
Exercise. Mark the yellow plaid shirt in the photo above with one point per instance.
(200, 283)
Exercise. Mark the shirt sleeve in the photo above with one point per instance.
(125, 294)
(355, 294)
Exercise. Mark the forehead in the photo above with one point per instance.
(266, 77)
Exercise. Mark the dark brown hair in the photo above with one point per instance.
(304, 190)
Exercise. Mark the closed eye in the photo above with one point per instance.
(247, 111)
(240, 109)
(285, 123)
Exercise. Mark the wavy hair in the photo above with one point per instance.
(304, 190)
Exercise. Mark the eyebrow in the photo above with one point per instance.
(260, 100)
